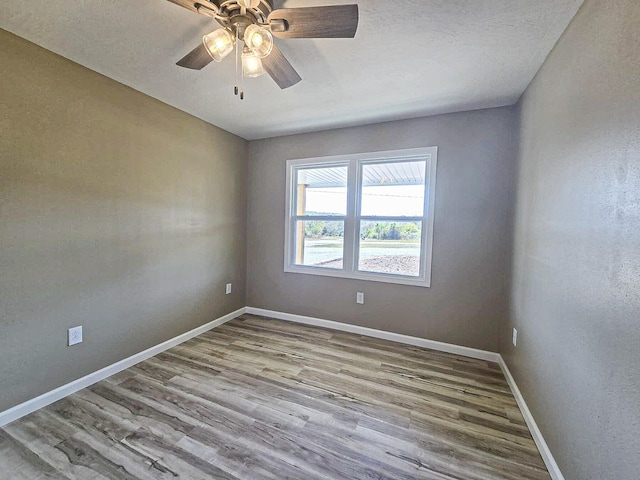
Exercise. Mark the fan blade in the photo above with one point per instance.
(340, 21)
(196, 59)
(279, 68)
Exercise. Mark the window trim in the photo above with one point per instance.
(355, 163)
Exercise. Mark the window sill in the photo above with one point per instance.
(366, 276)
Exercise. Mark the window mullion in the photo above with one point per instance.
(350, 223)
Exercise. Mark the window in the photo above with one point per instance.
(367, 216)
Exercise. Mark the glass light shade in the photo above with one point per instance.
(251, 65)
(249, 3)
(219, 43)
(259, 40)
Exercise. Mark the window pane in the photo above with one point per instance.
(322, 191)
(319, 243)
(394, 189)
(390, 247)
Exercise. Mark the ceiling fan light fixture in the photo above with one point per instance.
(219, 43)
(259, 40)
(262, 23)
(251, 64)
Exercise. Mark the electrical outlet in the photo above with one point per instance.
(360, 297)
(515, 337)
(75, 335)
(228, 289)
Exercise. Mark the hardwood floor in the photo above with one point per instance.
(259, 398)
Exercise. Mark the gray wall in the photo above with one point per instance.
(117, 212)
(576, 280)
(467, 300)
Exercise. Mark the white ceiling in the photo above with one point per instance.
(410, 58)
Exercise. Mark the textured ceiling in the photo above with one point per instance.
(410, 58)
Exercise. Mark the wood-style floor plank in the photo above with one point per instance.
(264, 399)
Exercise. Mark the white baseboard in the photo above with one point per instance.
(371, 332)
(48, 398)
(545, 452)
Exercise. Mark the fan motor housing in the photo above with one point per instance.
(232, 9)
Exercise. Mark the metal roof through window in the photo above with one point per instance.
(373, 174)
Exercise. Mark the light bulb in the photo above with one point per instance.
(251, 65)
(219, 43)
(259, 40)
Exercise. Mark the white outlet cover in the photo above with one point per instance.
(228, 289)
(515, 337)
(75, 335)
(360, 297)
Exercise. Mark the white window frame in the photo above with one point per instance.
(355, 162)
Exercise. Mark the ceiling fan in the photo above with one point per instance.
(255, 23)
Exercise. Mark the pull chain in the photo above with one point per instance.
(242, 83)
(235, 88)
